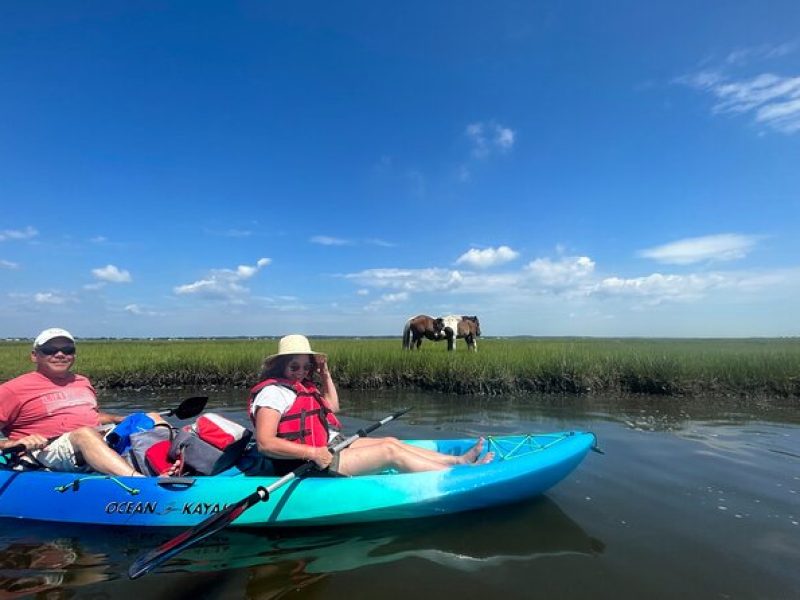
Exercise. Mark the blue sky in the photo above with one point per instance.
(257, 168)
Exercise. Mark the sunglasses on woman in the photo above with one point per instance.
(298, 367)
(52, 350)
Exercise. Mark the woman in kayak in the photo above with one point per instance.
(296, 422)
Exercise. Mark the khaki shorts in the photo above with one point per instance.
(59, 455)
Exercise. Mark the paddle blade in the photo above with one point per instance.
(150, 560)
(191, 407)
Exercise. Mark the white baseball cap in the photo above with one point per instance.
(50, 334)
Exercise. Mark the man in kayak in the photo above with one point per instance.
(295, 422)
(54, 414)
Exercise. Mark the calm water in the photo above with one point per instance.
(690, 500)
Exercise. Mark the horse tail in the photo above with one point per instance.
(407, 336)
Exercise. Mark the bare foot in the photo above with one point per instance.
(485, 459)
(174, 470)
(471, 455)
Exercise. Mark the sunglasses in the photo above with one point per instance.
(298, 367)
(51, 350)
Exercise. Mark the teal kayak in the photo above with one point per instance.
(523, 466)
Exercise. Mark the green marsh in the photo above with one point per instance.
(731, 367)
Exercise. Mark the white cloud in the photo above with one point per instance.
(7, 264)
(562, 272)
(744, 56)
(236, 233)
(385, 299)
(504, 138)
(362, 292)
(488, 137)
(392, 298)
(223, 284)
(721, 247)
(488, 257)
(326, 240)
(139, 311)
(409, 280)
(18, 234)
(48, 298)
(380, 242)
(658, 288)
(772, 100)
(112, 274)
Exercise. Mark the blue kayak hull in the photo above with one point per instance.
(524, 466)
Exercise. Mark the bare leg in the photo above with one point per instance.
(377, 457)
(98, 455)
(468, 457)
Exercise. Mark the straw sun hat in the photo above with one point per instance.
(292, 344)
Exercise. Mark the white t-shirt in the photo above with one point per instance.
(281, 399)
(275, 397)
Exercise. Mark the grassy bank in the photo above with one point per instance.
(762, 367)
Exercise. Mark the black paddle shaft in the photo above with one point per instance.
(151, 559)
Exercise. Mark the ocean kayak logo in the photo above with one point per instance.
(151, 508)
(131, 508)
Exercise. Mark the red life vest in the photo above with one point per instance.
(308, 420)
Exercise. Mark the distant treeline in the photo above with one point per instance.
(729, 367)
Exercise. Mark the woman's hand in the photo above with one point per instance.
(321, 456)
(321, 363)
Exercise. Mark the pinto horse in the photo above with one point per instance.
(462, 326)
(422, 326)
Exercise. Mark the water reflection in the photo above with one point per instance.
(40, 563)
(44, 556)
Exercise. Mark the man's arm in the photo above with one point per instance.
(109, 419)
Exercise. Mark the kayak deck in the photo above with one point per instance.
(523, 466)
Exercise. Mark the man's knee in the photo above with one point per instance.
(84, 435)
(157, 418)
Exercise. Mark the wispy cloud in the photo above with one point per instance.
(112, 274)
(7, 264)
(771, 100)
(394, 298)
(139, 311)
(18, 234)
(489, 137)
(488, 257)
(745, 56)
(379, 242)
(710, 248)
(231, 233)
(409, 280)
(326, 240)
(49, 298)
(223, 284)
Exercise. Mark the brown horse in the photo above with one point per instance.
(465, 327)
(422, 326)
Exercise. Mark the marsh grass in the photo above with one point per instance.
(764, 367)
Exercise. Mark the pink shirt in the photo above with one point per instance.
(35, 404)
